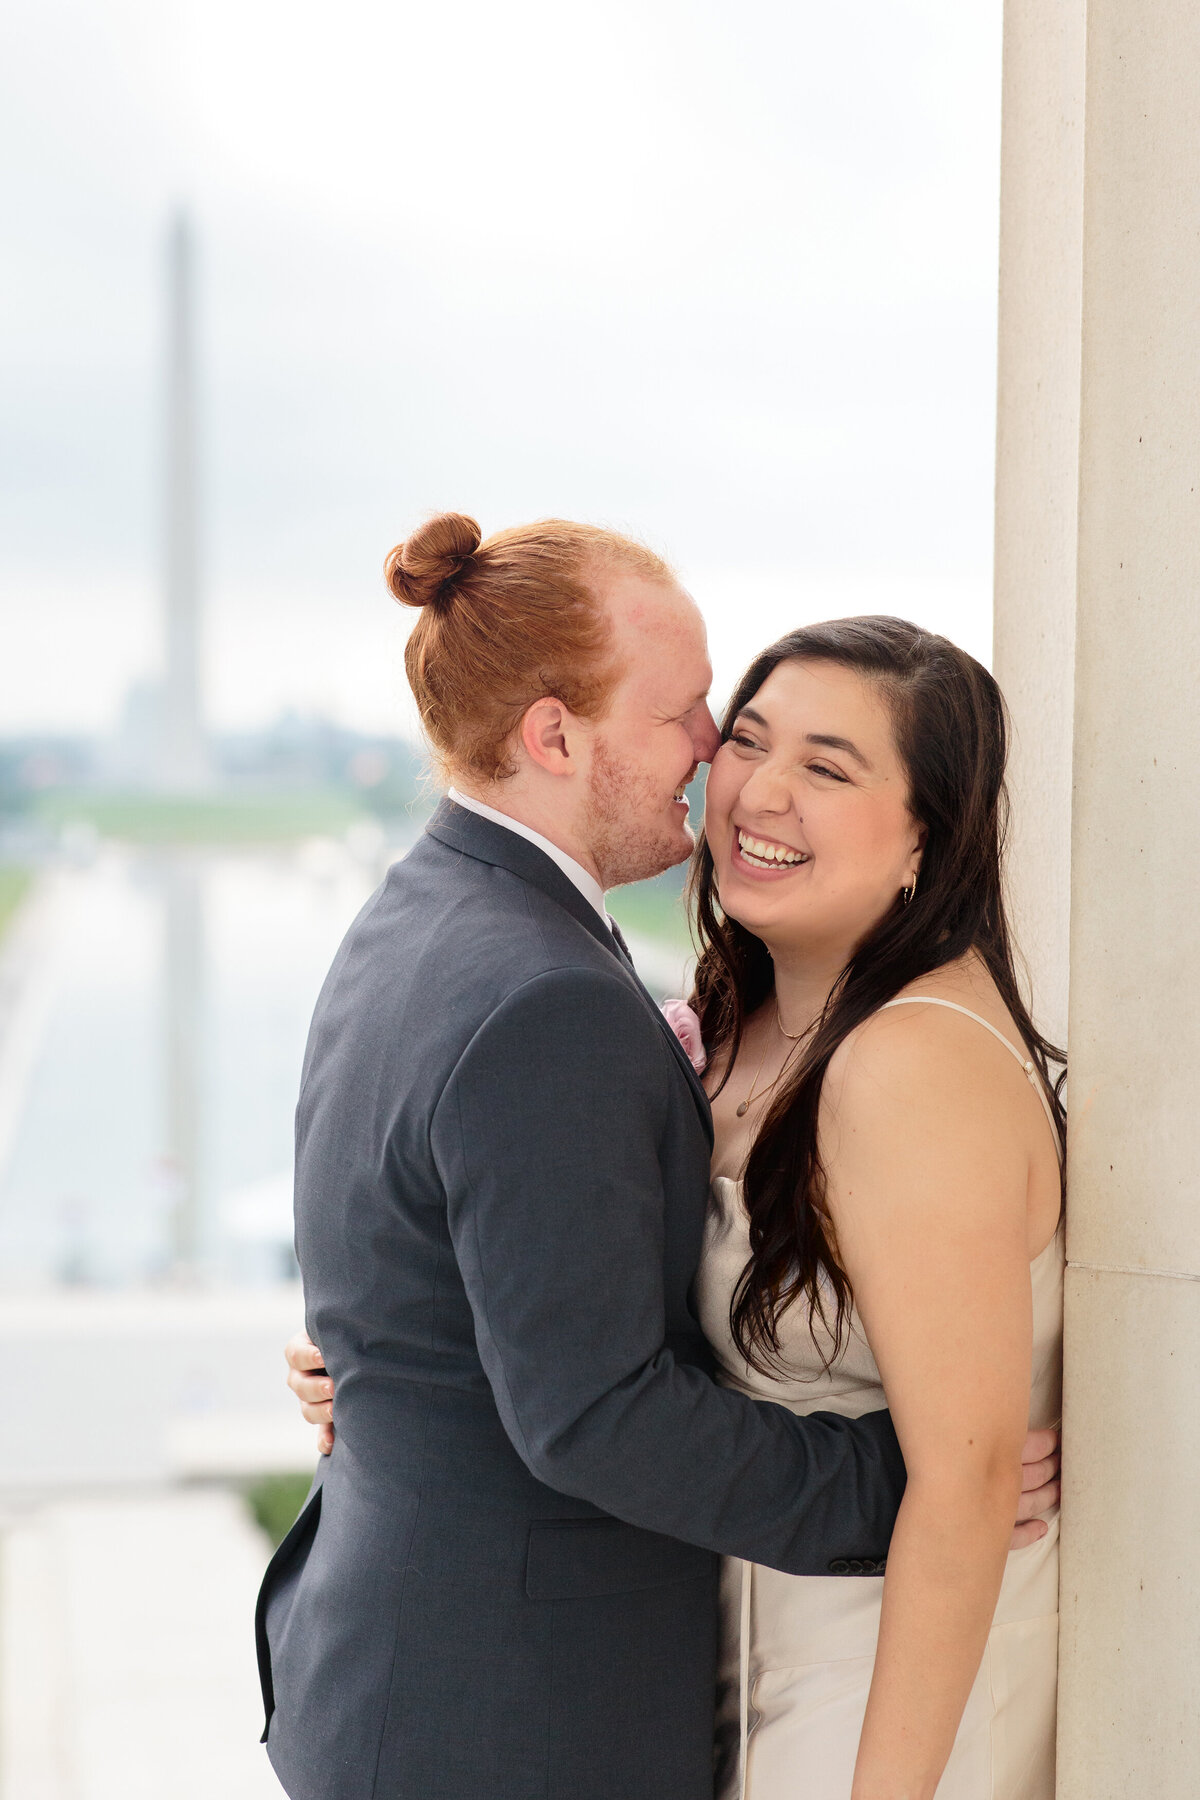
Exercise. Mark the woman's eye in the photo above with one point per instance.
(824, 769)
(742, 741)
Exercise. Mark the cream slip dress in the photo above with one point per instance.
(798, 1651)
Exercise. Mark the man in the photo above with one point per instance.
(503, 1583)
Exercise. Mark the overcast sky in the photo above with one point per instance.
(720, 275)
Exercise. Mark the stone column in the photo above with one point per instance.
(1037, 468)
(1098, 565)
(1129, 1720)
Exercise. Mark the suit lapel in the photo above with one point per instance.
(476, 836)
(490, 843)
(681, 1055)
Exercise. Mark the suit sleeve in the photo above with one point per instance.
(547, 1140)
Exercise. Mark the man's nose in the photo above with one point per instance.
(707, 740)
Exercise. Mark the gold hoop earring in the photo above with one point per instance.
(907, 894)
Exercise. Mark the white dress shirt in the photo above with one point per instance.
(587, 884)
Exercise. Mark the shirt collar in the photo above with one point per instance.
(587, 884)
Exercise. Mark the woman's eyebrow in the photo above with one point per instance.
(825, 739)
(828, 742)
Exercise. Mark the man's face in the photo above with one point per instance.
(657, 730)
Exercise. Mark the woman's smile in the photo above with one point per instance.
(761, 858)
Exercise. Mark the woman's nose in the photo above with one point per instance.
(766, 790)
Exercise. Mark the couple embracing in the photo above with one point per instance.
(683, 1377)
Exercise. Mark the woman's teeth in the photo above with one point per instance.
(762, 854)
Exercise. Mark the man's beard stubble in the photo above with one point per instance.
(627, 841)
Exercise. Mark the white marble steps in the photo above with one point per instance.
(127, 1667)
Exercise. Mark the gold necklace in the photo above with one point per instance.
(794, 1035)
(748, 1102)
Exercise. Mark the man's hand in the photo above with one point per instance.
(1040, 1460)
(314, 1390)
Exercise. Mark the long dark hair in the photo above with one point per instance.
(951, 733)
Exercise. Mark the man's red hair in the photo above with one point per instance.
(504, 622)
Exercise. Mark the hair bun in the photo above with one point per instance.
(418, 569)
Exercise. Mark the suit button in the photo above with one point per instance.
(840, 1567)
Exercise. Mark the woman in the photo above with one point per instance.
(885, 1220)
(886, 1209)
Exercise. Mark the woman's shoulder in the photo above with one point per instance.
(920, 1089)
(930, 1048)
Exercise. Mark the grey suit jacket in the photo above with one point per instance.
(502, 1586)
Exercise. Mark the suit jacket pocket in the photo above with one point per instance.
(579, 1559)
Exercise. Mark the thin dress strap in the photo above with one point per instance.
(1030, 1068)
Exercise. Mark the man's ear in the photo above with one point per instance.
(547, 736)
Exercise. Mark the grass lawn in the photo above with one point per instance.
(653, 909)
(14, 885)
(218, 818)
(275, 1500)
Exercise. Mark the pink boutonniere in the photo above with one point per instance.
(686, 1026)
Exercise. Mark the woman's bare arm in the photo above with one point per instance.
(928, 1168)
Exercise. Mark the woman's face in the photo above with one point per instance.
(807, 812)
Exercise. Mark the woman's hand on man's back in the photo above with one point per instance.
(312, 1387)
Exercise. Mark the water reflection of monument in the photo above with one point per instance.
(183, 766)
(183, 1060)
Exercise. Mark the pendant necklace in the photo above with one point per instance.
(796, 1038)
